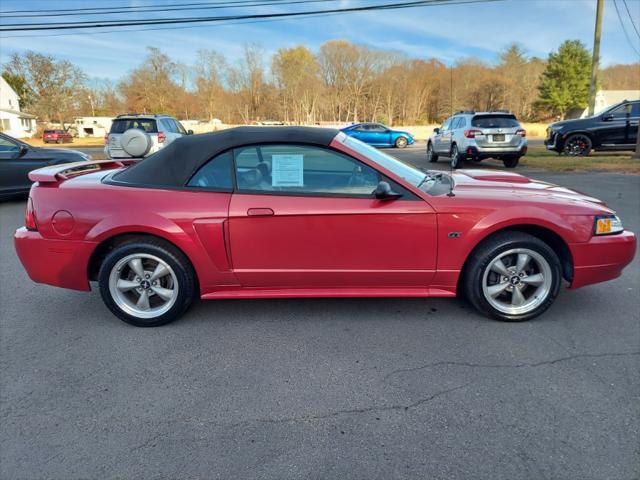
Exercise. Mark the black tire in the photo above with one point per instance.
(456, 158)
(479, 260)
(179, 263)
(578, 145)
(401, 142)
(511, 162)
(432, 156)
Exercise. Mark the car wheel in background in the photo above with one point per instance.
(147, 283)
(432, 156)
(577, 145)
(511, 162)
(456, 159)
(512, 276)
(401, 142)
(136, 142)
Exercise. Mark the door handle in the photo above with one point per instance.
(259, 212)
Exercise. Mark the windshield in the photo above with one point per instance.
(411, 174)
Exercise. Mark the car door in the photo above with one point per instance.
(360, 132)
(379, 135)
(16, 161)
(305, 217)
(631, 131)
(440, 140)
(613, 126)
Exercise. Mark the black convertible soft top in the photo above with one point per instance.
(174, 165)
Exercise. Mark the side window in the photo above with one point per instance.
(446, 124)
(377, 128)
(179, 127)
(297, 169)
(635, 109)
(622, 111)
(215, 174)
(360, 128)
(8, 146)
(462, 122)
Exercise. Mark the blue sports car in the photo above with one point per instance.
(378, 135)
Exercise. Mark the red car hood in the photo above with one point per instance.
(510, 184)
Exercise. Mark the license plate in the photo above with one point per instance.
(498, 138)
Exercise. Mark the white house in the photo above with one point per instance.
(606, 98)
(93, 126)
(12, 121)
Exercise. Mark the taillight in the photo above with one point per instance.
(472, 133)
(161, 137)
(30, 217)
(522, 132)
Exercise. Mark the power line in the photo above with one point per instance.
(225, 23)
(624, 29)
(631, 18)
(229, 3)
(161, 8)
(182, 20)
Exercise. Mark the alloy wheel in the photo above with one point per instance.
(578, 145)
(143, 285)
(517, 281)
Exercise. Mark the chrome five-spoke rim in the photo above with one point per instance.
(143, 285)
(517, 281)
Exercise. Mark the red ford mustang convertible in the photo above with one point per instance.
(309, 212)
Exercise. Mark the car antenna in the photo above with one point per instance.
(451, 194)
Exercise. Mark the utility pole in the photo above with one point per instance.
(595, 61)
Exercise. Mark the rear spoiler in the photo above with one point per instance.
(57, 173)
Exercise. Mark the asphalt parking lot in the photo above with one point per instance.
(323, 388)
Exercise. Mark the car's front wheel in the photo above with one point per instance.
(432, 156)
(512, 276)
(578, 145)
(401, 142)
(147, 283)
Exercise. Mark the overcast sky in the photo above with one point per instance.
(447, 32)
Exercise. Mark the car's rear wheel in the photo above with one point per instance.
(578, 145)
(456, 159)
(147, 283)
(401, 142)
(512, 276)
(432, 156)
(511, 162)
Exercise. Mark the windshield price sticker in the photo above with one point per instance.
(287, 171)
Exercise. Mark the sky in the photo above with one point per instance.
(446, 32)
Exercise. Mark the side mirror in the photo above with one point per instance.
(23, 150)
(607, 118)
(436, 130)
(383, 191)
(189, 132)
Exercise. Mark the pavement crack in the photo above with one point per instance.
(516, 365)
(351, 411)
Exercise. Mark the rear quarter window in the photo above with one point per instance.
(122, 125)
(494, 121)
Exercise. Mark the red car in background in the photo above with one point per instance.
(263, 212)
(56, 136)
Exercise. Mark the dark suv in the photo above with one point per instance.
(616, 128)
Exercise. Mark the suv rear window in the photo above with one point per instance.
(494, 121)
(123, 124)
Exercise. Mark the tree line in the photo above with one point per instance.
(341, 82)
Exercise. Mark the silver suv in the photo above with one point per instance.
(479, 135)
(137, 136)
